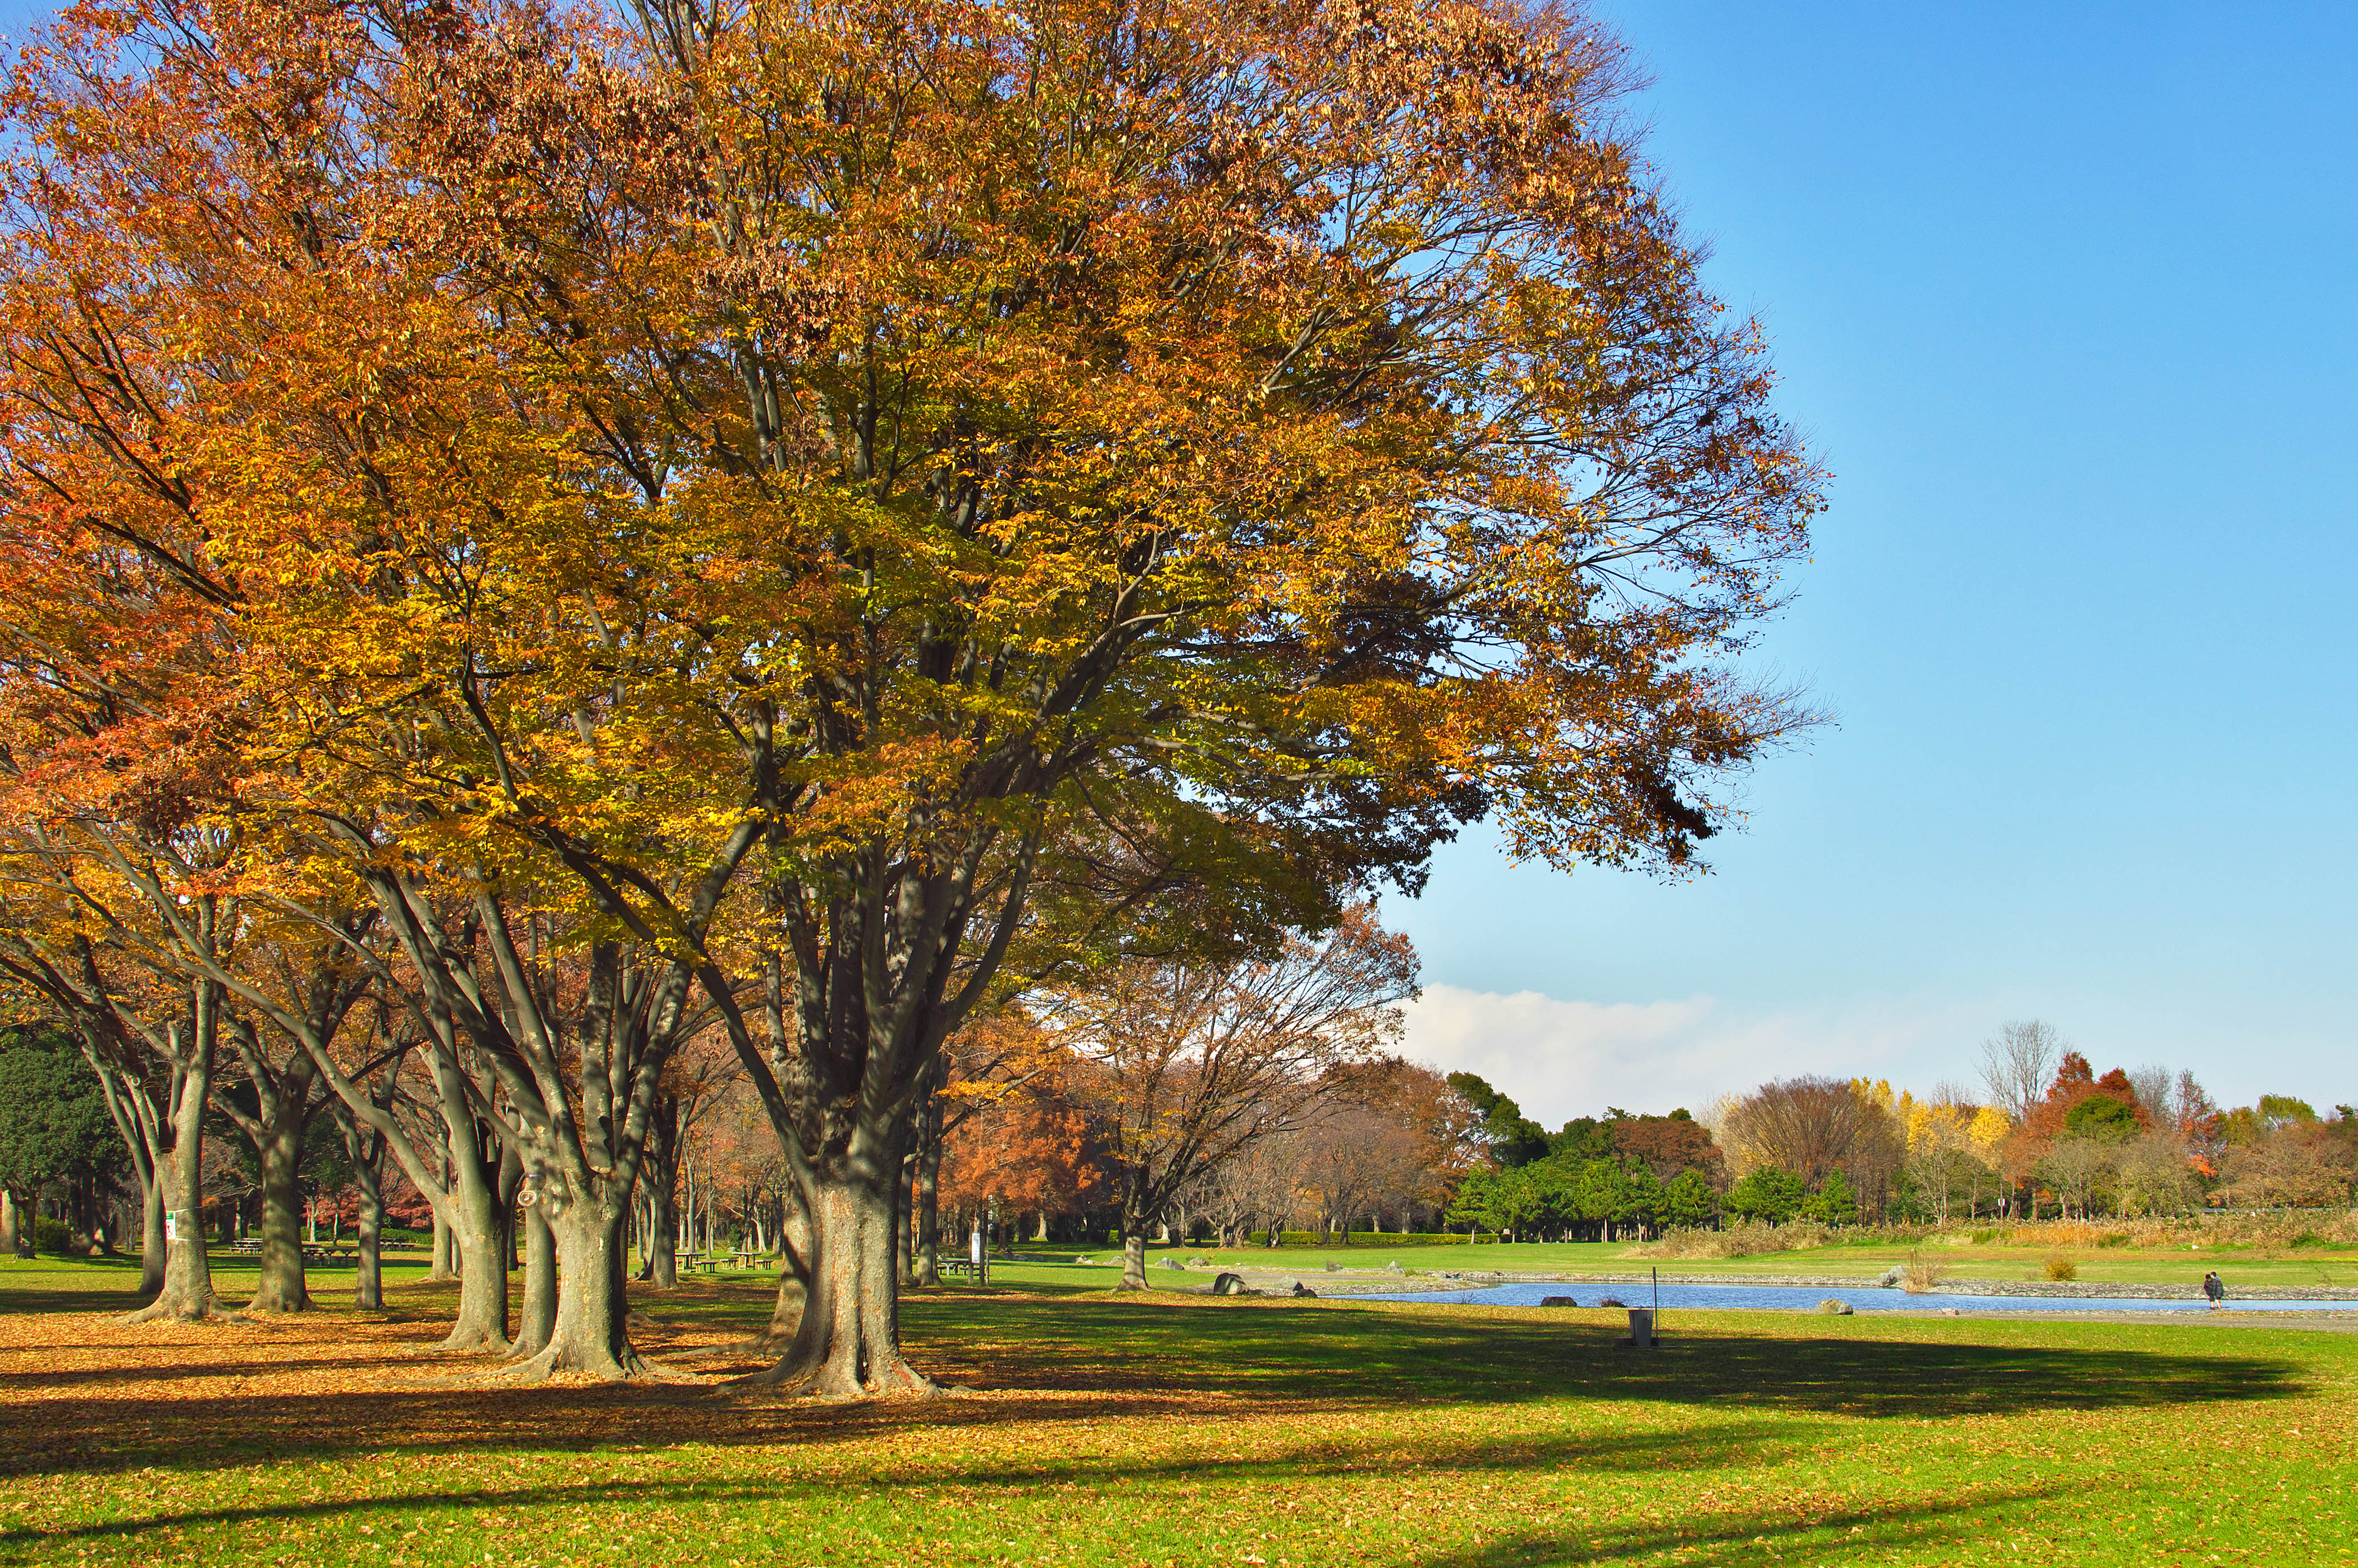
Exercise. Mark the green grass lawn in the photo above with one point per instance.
(2237, 1266)
(1168, 1429)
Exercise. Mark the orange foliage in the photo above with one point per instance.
(1012, 1131)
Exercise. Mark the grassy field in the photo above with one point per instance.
(1060, 1265)
(1169, 1428)
(2238, 1266)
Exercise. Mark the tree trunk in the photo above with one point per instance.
(367, 1275)
(504, 1205)
(904, 1218)
(663, 1232)
(536, 1325)
(151, 1237)
(590, 1332)
(441, 1267)
(133, 1109)
(187, 1288)
(280, 1149)
(1133, 1255)
(366, 1146)
(476, 1237)
(794, 1242)
(15, 1235)
(848, 1344)
(929, 1205)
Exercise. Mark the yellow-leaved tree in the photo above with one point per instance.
(838, 512)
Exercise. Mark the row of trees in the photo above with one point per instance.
(2050, 1135)
(537, 536)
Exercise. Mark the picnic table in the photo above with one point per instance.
(713, 1262)
(313, 1251)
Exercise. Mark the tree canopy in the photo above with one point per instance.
(841, 512)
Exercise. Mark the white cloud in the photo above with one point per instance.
(1561, 1059)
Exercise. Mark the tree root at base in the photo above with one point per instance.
(823, 1381)
(471, 1343)
(211, 1311)
(629, 1367)
(760, 1345)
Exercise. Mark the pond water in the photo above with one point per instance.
(1863, 1298)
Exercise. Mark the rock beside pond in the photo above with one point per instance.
(1833, 1307)
(1557, 1301)
(1613, 1301)
(1891, 1277)
(1301, 1290)
(1393, 1267)
(1232, 1285)
(1173, 1263)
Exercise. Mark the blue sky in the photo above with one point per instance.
(2065, 296)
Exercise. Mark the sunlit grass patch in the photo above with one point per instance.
(1111, 1429)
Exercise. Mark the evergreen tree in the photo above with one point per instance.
(54, 1125)
(1767, 1194)
(1514, 1138)
(1642, 1198)
(1689, 1201)
(1835, 1203)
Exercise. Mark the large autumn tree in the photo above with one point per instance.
(851, 505)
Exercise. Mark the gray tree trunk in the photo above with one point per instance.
(663, 1231)
(536, 1321)
(795, 1246)
(1135, 1219)
(151, 1236)
(187, 1288)
(904, 1218)
(590, 1332)
(15, 1236)
(280, 1286)
(1133, 1255)
(367, 1275)
(929, 1199)
(478, 1238)
(365, 1146)
(848, 1343)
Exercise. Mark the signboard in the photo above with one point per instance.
(974, 1249)
(171, 1225)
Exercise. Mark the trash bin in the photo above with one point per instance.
(1641, 1329)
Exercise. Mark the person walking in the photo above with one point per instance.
(2213, 1288)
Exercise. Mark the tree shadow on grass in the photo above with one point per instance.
(50, 1379)
(1712, 1541)
(1066, 1363)
(1270, 1349)
(993, 1470)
